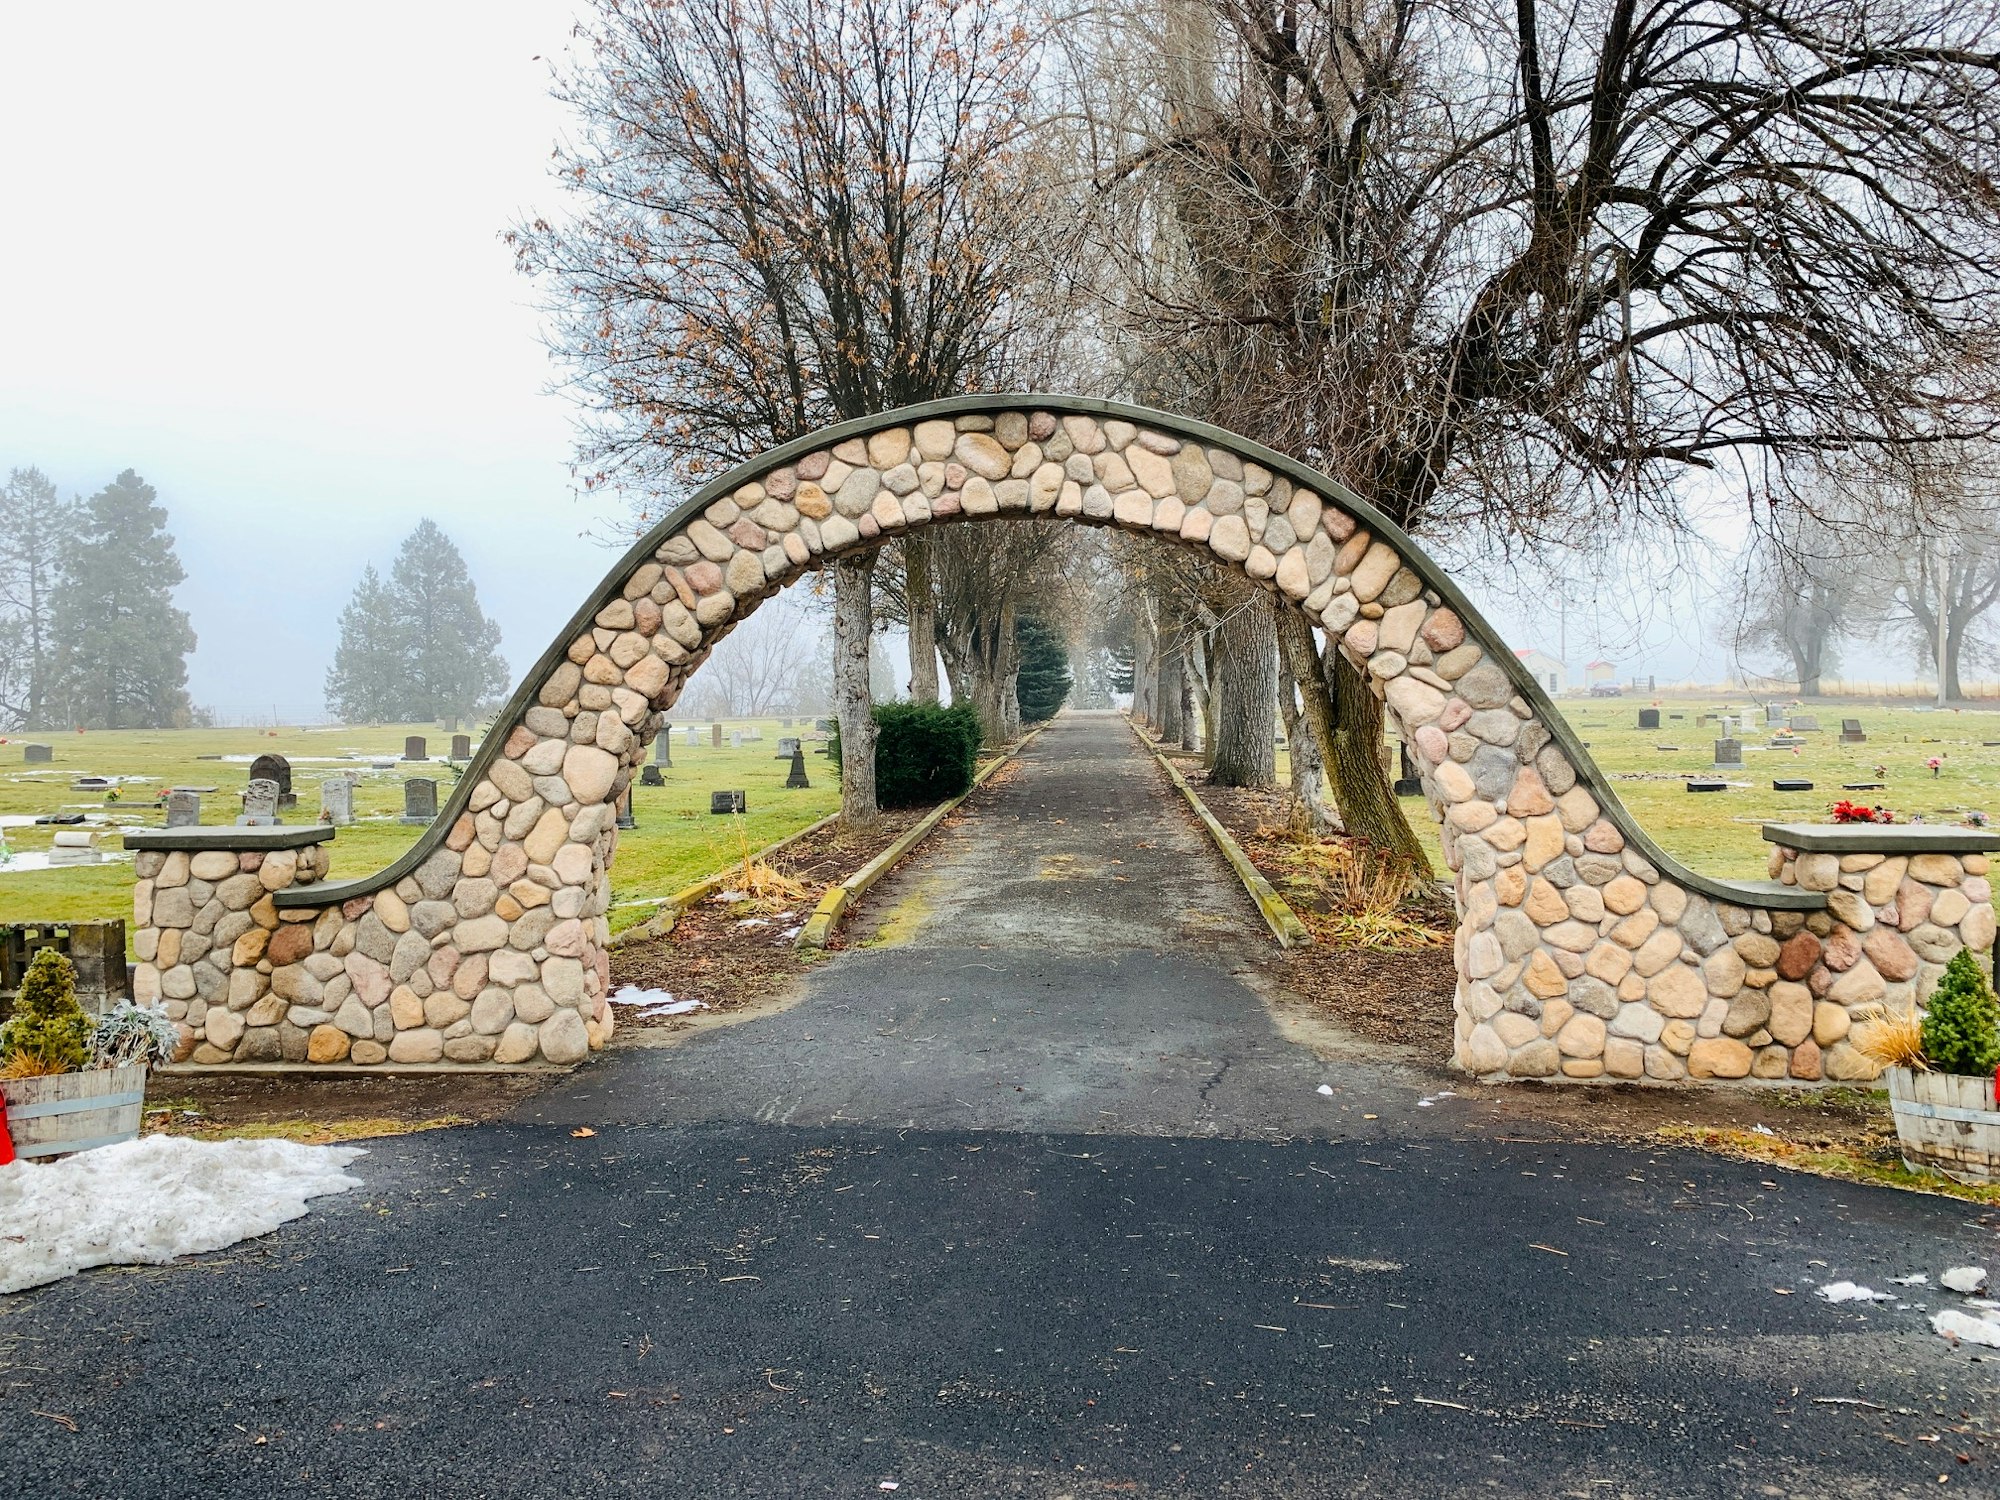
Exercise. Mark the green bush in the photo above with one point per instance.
(1043, 682)
(923, 753)
(48, 1032)
(1961, 1030)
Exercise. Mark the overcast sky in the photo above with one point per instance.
(253, 252)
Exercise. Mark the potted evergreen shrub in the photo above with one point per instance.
(70, 1082)
(1940, 1072)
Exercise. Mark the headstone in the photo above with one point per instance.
(1805, 724)
(336, 801)
(1729, 755)
(1864, 786)
(1408, 782)
(824, 726)
(414, 749)
(1850, 732)
(1705, 784)
(736, 739)
(73, 849)
(260, 805)
(183, 809)
(1649, 718)
(420, 800)
(92, 783)
(694, 735)
(785, 723)
(727, 802)
(461, 747)
(625, 818)
(753, 734)
(797, 781)
(787, 747)
(663, 747)
(268, 767)
(715, 736)
(1791, 784)
(36, 755)
(649, 775)
(1773, 714)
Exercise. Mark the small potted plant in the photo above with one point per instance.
(69, 1082)
(1940, 1072)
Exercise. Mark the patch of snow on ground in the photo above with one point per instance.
(149, 1200)
(1966, 1328)
(657, 1002)
(1964, 1278)
(1847, 1291)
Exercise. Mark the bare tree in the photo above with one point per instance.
(764, 666)
(1518, 268)
(785, 213)
(35, 522)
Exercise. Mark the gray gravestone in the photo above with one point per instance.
(727, 802)
(420, 800)
(797, 779)
(73, 848)
(36, 755)
(736, 739)
(414, 748)
(694, 735)
(1805, 723)
(1728, 755)
(787, 747)
(824, 726)
(461, 747)
(336, 801)
(650, 776)
(260, 805)
(625, 818)
(663, 747)
(183, 809)
(1649, 718)
(1850, 732)
(715, 736)
(1773, 714)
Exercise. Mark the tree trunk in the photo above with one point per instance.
(1008, 669)
(853, 620)
(922, 604)
(1244, 670)
(1167, 695)
(1145, 666)
(1305, 743)
(1360, 784)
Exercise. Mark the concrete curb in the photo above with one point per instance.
(834, 905)
(702, 889)
(1278, 915)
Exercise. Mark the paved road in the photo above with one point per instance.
(1037, 1200)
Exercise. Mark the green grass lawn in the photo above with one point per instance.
(677, 840)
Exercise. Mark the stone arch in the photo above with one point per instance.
(1582, 949)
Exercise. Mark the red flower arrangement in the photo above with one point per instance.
(1845, 811)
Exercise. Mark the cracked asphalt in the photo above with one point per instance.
(1035, 1197)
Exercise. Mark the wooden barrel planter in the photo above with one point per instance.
(1946, 1123)
(67, 1112)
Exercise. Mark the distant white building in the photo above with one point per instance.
(1600, 673)
(1549, 672)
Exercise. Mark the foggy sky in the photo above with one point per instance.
(253, 252)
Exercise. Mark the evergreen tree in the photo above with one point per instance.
(1961, 1030)
(451, 649)
(35, 521)
(1044, 681)
(417, 646)
(365, 682)
(120, 645)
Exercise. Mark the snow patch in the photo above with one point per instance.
(1966, 1328)
(656, 1002)
(149, 1200)
(1964, 1278)
(1847, 1291)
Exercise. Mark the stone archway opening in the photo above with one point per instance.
(1582, 949)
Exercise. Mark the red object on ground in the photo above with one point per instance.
(6, 1140)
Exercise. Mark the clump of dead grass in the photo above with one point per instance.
(1893, 1038)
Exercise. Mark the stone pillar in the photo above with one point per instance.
(214, 949)
(1900, 901)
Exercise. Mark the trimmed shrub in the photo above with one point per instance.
(48, 1032)
(1043, 682)
(924, 753)
(1962, 1022)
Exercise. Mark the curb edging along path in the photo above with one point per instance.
(1277, 912)
(837, 902)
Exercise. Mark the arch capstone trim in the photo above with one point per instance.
(1299, 473)
(1582, 950)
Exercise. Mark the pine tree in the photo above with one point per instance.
(1044, 681)
(366, 681)
(34, 523)
(120, 645)
(1961, 1031)
(451, 649)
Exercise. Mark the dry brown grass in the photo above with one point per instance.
(1894, 1038)
(1347, 892)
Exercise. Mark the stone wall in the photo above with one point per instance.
(1582, 951)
